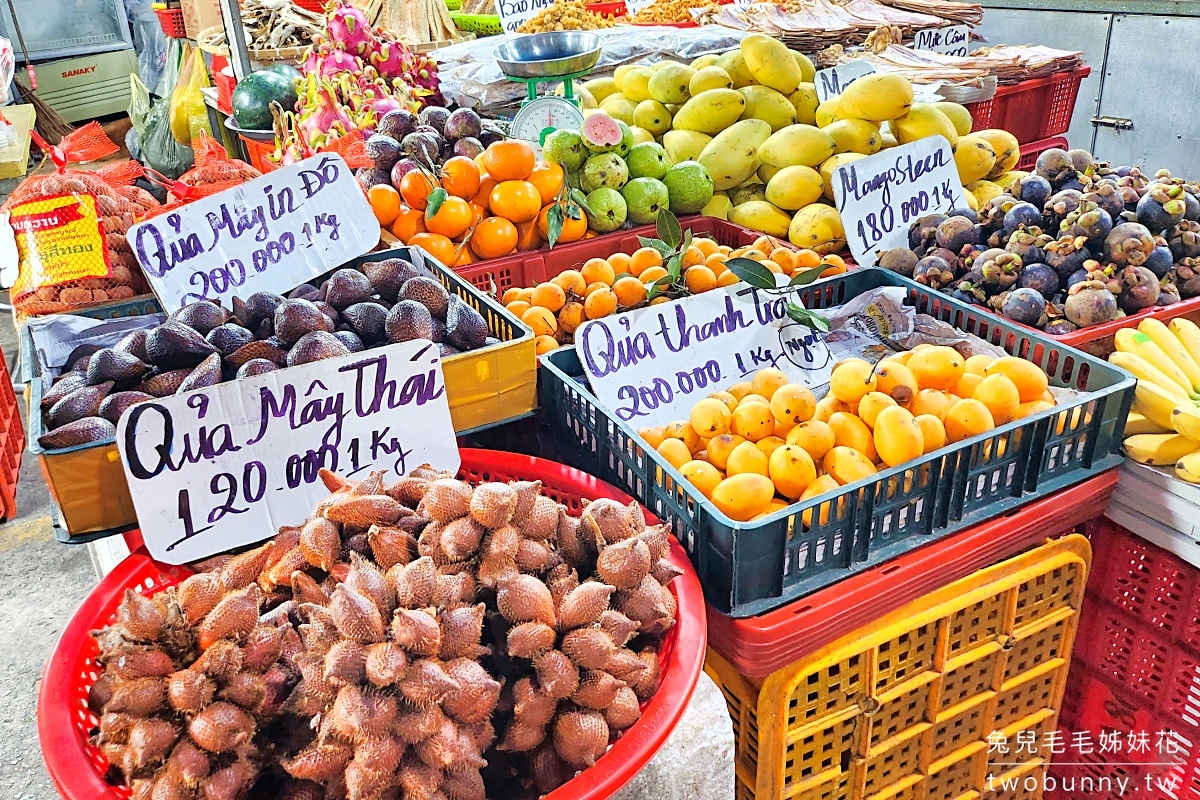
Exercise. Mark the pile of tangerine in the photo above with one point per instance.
(497, 204)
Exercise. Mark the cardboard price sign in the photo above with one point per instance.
(650, 366)
(953, 40)
(834, 80)
(880, 196)
(268, 235)
(514, 13)
(226, 466)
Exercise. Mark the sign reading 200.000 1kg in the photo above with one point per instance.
(270, 234)
(225, 466)
(650, 366)
(880, 196)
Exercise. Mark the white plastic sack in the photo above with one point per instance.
(7, 62)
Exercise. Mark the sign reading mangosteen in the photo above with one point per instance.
(270, 234)
(835, 79)
(226, 466)
(514, 13)
(880, 196)
(650, 366)
(953, 40)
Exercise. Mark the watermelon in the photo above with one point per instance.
(286, 70)
(252, 98)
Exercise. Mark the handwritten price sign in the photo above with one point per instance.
(514, 13)
(225, 466)
(268, 235)
(835, 79)
(651, 366)
(881, 195)
(953, 40)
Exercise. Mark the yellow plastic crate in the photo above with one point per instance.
(903, 708)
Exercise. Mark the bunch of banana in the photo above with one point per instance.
(1164, 427)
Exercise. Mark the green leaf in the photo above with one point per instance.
(665, 280)
(436, 198)
(675, 267)
(653, 291)
(581, 200)
(807, 277)
(751, 272)
(645, 241)
(664, 249)
(620, 275)
(573, 211)
(667, 228)
(807, 318)
(687, 239)
(554, 224)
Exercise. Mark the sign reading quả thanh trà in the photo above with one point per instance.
(226, 466)
(880, 196)
(650, 366)
(270, 234)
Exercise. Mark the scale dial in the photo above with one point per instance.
(538, 118)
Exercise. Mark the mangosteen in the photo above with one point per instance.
(397, 124)
(955, 233)
(1105, 195)
(1184, 240)
(933, 272)
(468, 146)
(1168, 294)
(1129, 243)
(1021, 213)
(1090, 303)
(970, 293)
(1041, 277)
(1024, 305)
(1073, 180)
(1000, 269)
(1160, 261)
(461, 124)
(372, 176)
(1053, 163)
(1058, 206)
(924, 230)
(1060, 326)
(1161, 207)
(1187, 278)
(1065, 255)
(435, 117)
(1032, 189)
(992, 214)
(1088, 220)
(422, 146)
(401, 168)
(1139, 289)
(1028, 244)
(1081, 160)
(900, 260)
(383, 150)
(490, 135)
(969, 213)
(1191, 203)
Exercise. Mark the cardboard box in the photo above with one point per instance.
(199, 15)
(14, 159)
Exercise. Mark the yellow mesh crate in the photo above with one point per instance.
(905, 707)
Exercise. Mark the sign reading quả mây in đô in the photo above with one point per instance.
(651, 365)
(227, 465)
(880, 196)
(270, 234)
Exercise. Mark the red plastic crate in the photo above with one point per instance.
(1097, 340)
(1034, 109)
(12, 445)
(171, 20)
(1031, 151)
(1136, 669)
(758, 646)
(225, 81)
(616, 8)
(257, 152)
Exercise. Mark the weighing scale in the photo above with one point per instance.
(555, 57)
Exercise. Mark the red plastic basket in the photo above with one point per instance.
(315, 6)
(171, 20)
(1031, 150)
(225, 81)
(1137, 657)
(257, 152)
(758, 646)
(613, 9)
(12, 445)
(64, 721)
(1034, 109)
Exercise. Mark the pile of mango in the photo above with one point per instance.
(751, 117)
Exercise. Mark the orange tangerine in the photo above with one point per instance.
(597, 270)
(483, 195)
(571, 281)
(620, 262)
(510, 295)
(515, 200)
(528, 237)
(462, 256)
(452, 219)
(415, 187)
(699, 278)
(807, 259)
(518, 307)
(541, 320)
(630, 291)
(692, 256)
(494, 237)
(659, 300)
(547, 178)
(643, 259)
(437, 245)
(509, 160)
(595, 287)
(408, 223)
(727, 278)
(705, 245)
(651, 274)
(460, 177)
(573, 228)
(600, 304)
(545, 344)
(571, 316)
(385, 202)
(549, 296)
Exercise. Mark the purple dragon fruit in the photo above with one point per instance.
(323, 116)
(329, 62)
(390, 58)
(348, 28)
(423, 77)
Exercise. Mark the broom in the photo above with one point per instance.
(48, 122)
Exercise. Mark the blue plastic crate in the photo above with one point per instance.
(752, 567)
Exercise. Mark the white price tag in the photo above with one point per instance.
(650, 366)
(880, 196)
(835, 79)
(226, 466)
(10, 258)
(953, 40)
(270, 234)
(514, 13)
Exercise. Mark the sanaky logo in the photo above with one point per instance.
(71, 73)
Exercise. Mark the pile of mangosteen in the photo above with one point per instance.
(1072, 244)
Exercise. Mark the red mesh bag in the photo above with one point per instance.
(70, 229)
(214, 171)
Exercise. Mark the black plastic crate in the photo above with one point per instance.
(748, 568)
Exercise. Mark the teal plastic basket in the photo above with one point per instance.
(748, 568)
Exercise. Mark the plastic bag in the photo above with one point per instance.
(189, 115)
(7, 61)
(148, 40)
(158, 148)
(214, 172)
(170, 74)
(70, 228)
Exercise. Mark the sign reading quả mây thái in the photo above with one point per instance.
(880, 196)
(270, 234)
(227, 465)
(651, 365)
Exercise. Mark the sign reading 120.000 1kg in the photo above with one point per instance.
(650, 366)
(880, 196)
(225, 466)
(270, 234)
